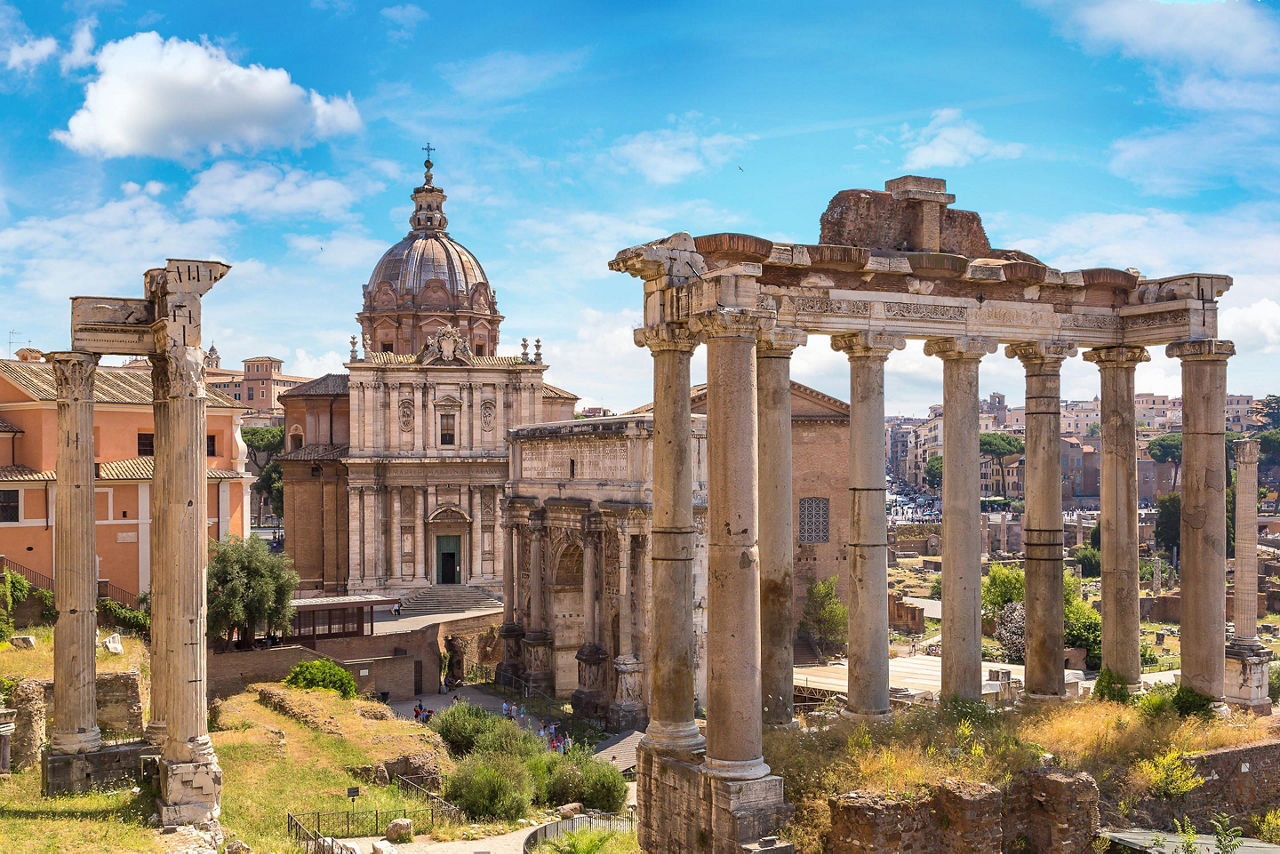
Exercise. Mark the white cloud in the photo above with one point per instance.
(951, 140)
(339, 250)
(1216, 66)
(505, 75)
(669, 155)
(266, 191)
(100, 247)
(80, 54)
(176, 98)
(307, 364)
(30, 53)
(405, 19)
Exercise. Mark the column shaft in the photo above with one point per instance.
(961, 506)
(671, 642)
(625, 643)
(75, 573)
(734, 744)
(1042, 519)
(1121, 617)
(868, 630)
(162, 566)
(590, 593)
(419, 532)
(536, 621)
(777, 538)
(1204, 512)
(1246, 593)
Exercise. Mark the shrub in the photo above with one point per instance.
(461, 724)
(1084, 629)
(603, 787)
(1188, 701)
(1011, 632)
(508, 739)
(322, 673)
(1090, 561)
(126, 618)
(1168, 775)
(1273, 685)
(566, 785)
(578, 842)
(1157, 703)
(1110, 687)
(490, 786)
(1267, 826)
(1003, 586)
(6, 607)
(1148, 655)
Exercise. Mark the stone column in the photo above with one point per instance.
(476, 562)
(190, 779)
(419, 532)
(627, 709)
(75, 568)
(777, 536)
(537, 640)
(7, 728)
(1121, 618)
(588, 699)
(431, 434)
(734, 745)
(961, 506)
(868, 695)
(395, 537)
(1042, 520)
(418, 415)
(1248, 661)
(162, 574)
(1204, 511)
(510, 631)
(671, 725)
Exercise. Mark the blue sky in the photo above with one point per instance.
(284, 137)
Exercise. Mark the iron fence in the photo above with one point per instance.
(417, 784)
(314, 832)
(612, 822)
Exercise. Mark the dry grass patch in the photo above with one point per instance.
(38, 663)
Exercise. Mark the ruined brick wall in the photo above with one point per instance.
(873, 219)
(1238, 781)
(231, 672)
(1042, 811)
(905, 617)
(119, 712)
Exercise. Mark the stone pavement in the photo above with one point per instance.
(510, 843)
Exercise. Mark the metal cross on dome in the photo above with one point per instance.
(428, 148)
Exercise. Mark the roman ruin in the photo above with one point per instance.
(164, 326)
(890, 266)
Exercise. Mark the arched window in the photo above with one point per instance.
(814, 523)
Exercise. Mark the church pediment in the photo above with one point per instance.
(448, 401)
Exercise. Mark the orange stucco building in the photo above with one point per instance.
(122, 438)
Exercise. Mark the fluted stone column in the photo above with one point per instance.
(734, 743)
(1204, 511)
(671, 724)
(190, 779)
(777, 534)
(161, 565)
(1248, 661)
(868, 695)
(589, 699)
(75, 573)
(510, 631)
(961, 507)
(1121, 618)
(1042, 520)
(627, 710)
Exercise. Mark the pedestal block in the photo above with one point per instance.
(589, 699)
(537, 662)
(190, 792)
(1246, 681)
(114, 766)
(627, 711)
(508, 670)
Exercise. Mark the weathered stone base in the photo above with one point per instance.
(682, 808)
(537, 662)
(626, 716)
(111, 766)
(1246, 680)
(508, 670)
(1041, 811)
(190, 792)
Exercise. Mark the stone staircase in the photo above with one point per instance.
(448, 599)
(805, 654)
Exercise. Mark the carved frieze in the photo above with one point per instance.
(406, 414)
(924, 311)
(1090, 321)
(1180, 319)
(822, 305)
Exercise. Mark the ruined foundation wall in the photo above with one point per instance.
(119, 712)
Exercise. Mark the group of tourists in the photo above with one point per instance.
(556, 742)
(422, 714)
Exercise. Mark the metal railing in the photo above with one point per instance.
(314, 832)
(612, 822)
(107, 590)
(37, 579)
(416, 784)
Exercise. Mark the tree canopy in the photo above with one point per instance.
(933, 472)
(263, 444)
(825, 618)
(1003, 585)
(1169, 521)
(249, 587)
(1268, 409)
(1167, 449)
(996, 445)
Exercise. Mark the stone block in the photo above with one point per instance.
(111, 766)
(190, 792)
(23, 641)
(381, 846)
(400, 830)
(570, 810)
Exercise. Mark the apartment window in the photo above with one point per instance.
(386, 346)
(210, 446)
(146, 444)
(8, 505)
(814, 526)
(251, 392)
(237, 395)
(446, 429)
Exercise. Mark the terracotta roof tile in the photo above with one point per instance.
(111, 384)
(549, 390)
(136, 468)
(325, 386)
(9, 427)
(411, 358)
(308, 453)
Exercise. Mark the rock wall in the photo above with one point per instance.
(1238, 781)
(119, 713)
(873, 219)
(1041, 811)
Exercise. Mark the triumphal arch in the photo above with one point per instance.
(890, 266)
(163, 326)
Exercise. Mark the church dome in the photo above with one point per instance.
(426, 282)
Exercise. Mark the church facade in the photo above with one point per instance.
(395, 471)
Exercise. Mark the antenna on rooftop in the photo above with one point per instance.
(15, 336)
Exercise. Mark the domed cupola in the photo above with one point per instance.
(426, 282)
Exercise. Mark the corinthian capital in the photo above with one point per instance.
(185, 366)
(960, 347)
(733, 323)
(780, 341)
(1117, 357)
(666, 336)
(862, 344)
(73, 375)
(1032, 352)
(1201, 349)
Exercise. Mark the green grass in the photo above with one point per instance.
(97, 821)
